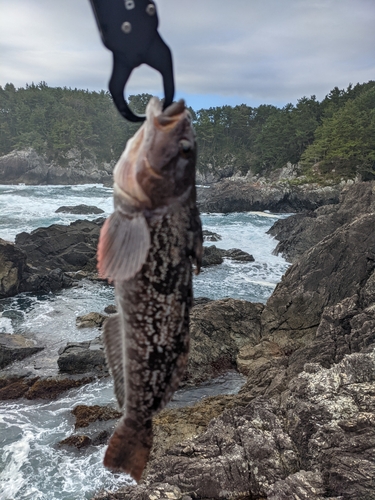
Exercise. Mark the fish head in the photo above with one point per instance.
(158, 164)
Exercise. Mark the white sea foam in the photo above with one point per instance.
(25, 208)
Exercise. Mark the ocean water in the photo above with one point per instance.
(32, 466)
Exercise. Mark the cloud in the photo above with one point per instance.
(260, 51)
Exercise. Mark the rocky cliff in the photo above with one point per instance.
(302, 426)
(298, 233)
(240, 195)
(30, 168)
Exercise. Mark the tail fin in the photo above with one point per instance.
(129, 447)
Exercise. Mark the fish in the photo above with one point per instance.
(149, 248)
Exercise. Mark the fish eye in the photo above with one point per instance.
(185, 146)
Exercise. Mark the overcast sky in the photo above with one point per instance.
(225, 51)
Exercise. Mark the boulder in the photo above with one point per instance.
(83, 357)
(69, 248)
(77, 441)
(99, 423)
(212, 256)
(86, 415)
(91, 320)
(79, 210)
(15, 387)
(298, 233)
(239, 255)
(110, 309)
(12, 265)
(39, 280)
(81, 441)
(218, 330)
(210, 236)
(15, 347)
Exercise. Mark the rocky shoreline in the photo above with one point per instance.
(281, 193)
(302, 426)
(239, 195)
(30, 168)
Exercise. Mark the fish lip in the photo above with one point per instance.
(167, 118)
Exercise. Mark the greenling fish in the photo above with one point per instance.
(148, 247)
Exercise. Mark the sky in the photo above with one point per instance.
(225, 51)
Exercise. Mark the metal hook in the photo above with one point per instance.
(129, 29)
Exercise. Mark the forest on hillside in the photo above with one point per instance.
(334, 137)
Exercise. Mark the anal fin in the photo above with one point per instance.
(113, 342)
(123, 246)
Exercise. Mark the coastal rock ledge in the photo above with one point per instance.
(29, 167)
(316, 442)
(302, 427)
(229, 196)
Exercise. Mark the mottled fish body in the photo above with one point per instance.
(147, 248)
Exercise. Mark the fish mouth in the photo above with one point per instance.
(167, 117)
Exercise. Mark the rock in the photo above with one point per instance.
(210, 236)
(300, 486)
(35, 280)
(334, 269)
(91, 320)
(79, 210)
(85, 415)
(69, 248)
(171, 426)
(243, 452)
(241, 196)
(76, 441)
(83, 357)
(140, 492)
(30, 168)
(12, 265)
(316, 442)
(14, 387)
(111, 309)
(237, 254)
(298, 233)
(218, 330)
(15, 347)
(250, 356)
(198, 301)
(322, 310)
(212, 256)
(330, 415)
(99, 423)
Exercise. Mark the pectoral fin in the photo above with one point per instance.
(123, 247)
(113, 344)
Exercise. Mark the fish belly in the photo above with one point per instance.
(147, 342)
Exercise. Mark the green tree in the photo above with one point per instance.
(344, 144)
